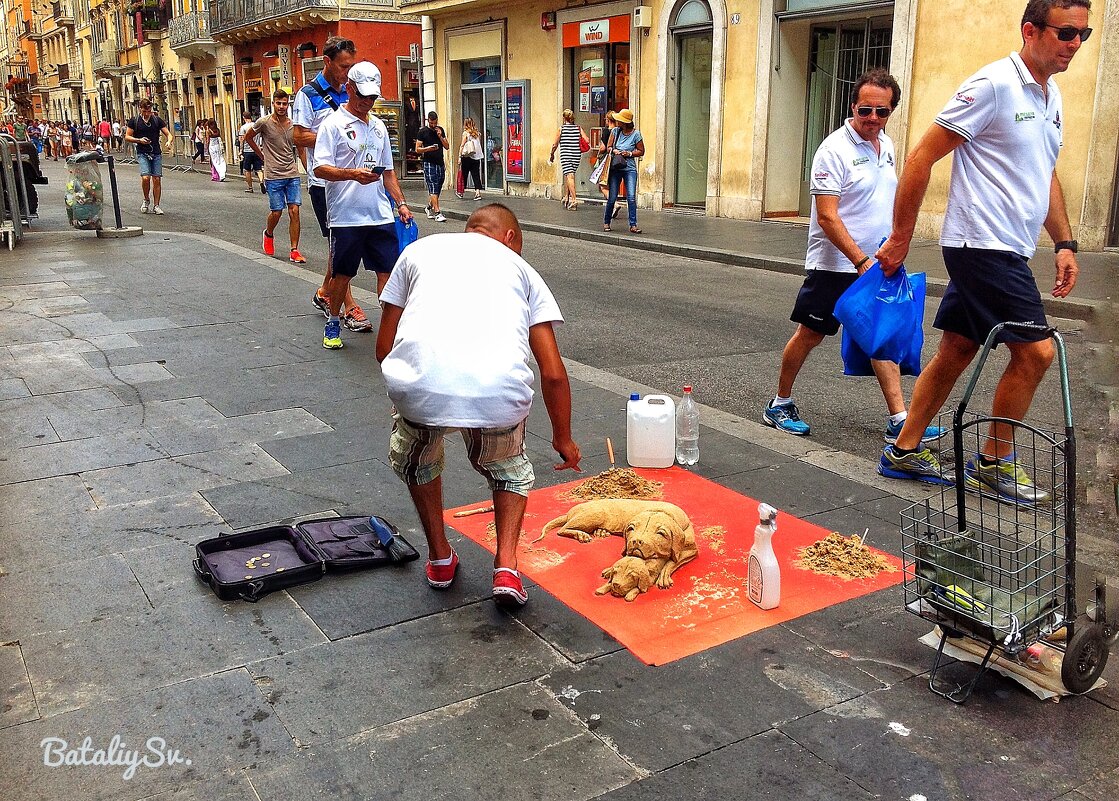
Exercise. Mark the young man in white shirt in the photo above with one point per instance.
(250, 161)
(1004, 126)
(461, 315)
(354, 156)
(853, 185)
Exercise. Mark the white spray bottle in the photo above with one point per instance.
(764, 582)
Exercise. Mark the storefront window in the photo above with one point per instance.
(486, 70)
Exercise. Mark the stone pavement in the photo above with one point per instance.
(144, 407)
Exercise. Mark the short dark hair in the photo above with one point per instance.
(431, 115)
(337, 44)
(880, 78)
(1037, 11)
(280, 94)
(145, 103)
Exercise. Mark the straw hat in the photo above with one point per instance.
(624, 116)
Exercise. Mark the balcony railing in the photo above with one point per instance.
(188, 29)
(225, 15)
(63, 11)
(106, 56)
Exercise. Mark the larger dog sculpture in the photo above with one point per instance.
(651, 529)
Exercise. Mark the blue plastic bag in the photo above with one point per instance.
(856, 362)
(883, 316)
(406, 233)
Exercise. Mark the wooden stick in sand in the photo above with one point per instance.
(610, 452)
(481, 510)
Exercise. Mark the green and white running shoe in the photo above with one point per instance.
(1006, 480)
(920, 465)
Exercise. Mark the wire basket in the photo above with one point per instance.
(1003, 575)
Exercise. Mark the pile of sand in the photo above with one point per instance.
(845, 557)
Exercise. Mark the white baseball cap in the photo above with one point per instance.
(367, 78)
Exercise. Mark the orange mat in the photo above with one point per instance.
(707, 604)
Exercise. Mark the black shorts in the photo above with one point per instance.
(318, 203)
(989, 287)
(375, 246)
(815, 304)
(250, 162)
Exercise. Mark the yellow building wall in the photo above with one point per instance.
(941, 62)
(738, 111)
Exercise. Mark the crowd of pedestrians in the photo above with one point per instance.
(56, 139)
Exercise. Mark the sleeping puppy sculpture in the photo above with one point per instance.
(630, 576)
(651, 530)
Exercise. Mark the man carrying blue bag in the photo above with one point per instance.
(882, 318)
(853, 185)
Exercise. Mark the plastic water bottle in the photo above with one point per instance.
(687, 429)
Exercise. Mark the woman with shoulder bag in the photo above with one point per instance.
(600, 174)
(572, 144)
(470, 157)
(625, 147)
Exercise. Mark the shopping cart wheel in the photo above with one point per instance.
(1085, 658)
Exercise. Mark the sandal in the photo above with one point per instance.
(633, 229)
(606, 228)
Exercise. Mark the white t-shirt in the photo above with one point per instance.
(243, 132)
(846, 166)
(345, 141)
(461, 353)
(308, 111)
(116, 129)
(998, 197)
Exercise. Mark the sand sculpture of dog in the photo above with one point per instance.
(651, 529)
(630, 576)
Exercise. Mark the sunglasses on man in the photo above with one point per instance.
(1068, 33)
(881, 111)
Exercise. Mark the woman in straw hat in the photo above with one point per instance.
(625, 147)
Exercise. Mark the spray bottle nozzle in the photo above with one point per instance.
(766, 514)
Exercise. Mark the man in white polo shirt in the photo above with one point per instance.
(354, 156)
(1005, 127)
(853, 184)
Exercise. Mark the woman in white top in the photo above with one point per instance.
(217, 151)
(470, 157)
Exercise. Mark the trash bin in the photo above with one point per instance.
(85, 196)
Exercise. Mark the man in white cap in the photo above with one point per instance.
(354, 156)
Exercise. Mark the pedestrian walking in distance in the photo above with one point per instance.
(250, 161)
(216, 148)
(471, 153)
(431, 142)
(353, 155)
(853, 184)
(270, 139)
(146, 130)
(1004, 127)
(318, 99)
(569, 141)
(461, 314)
(624, 148)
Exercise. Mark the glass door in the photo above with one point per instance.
(483, 105)
(693, 118)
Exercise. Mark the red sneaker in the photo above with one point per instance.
(508, 591)
(441, 576)
(295, 257)
(267, 244)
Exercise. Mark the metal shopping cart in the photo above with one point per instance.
(1002, 570)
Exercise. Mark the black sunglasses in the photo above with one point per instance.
(882, 111)
(1068, 33)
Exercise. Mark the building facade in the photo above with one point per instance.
(733, 98)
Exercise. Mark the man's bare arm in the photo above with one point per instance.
(303, 137)
(1058, 227)
(386, 334)
(556, 389)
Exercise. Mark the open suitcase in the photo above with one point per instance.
(250, 564)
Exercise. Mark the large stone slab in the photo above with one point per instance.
(768, 765)
(17, 702)
(219, 723)
(1004, 744)
(116, 657)
(400, 671)
(183, 414)
(76, 456)
(516, 742)
(660, 716)
(32, 602)
(799, 488)
(43, 497)
(281, 425)
(201, 471)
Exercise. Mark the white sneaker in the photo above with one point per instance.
(430, 213)
(144, 207)
(156, 210)
(439, 217)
